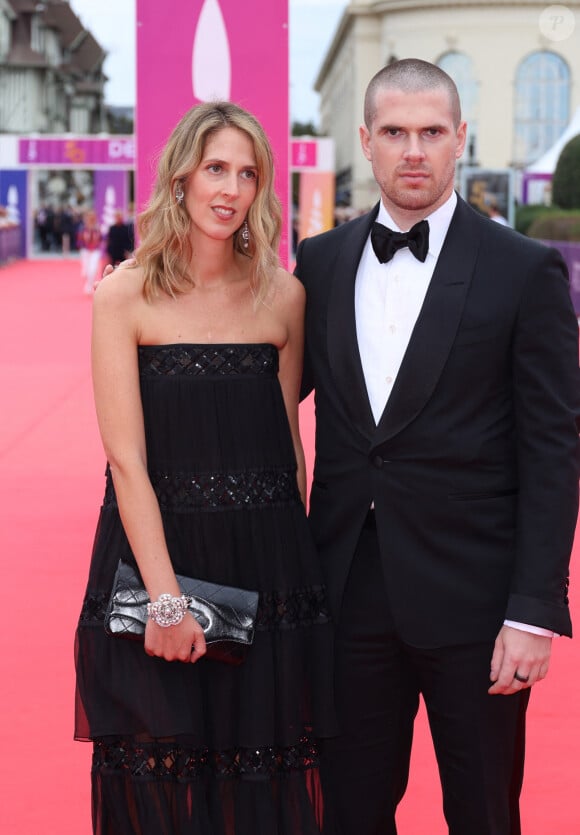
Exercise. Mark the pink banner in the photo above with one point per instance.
(209, 49)
(111, 196)
(304, 153)
(78, 153)
(316, 203)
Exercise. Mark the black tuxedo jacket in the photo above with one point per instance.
(473, 467)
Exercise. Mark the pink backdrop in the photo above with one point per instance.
(196, 50)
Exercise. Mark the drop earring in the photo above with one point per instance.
(179, 195)
(245, 235)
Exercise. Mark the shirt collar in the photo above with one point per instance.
(438, 221)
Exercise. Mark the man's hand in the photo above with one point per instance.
(519, 660)
(129, 262)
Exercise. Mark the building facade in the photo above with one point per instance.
(51, 70)
(516, 64)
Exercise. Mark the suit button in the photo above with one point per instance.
(377, 462)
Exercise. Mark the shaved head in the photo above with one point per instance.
(411, 76)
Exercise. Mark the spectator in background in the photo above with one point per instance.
(67, 230)
(89, 243)
(495, 214)
(76, 226)
(44, 222)
(131, 224)
(119, 240)
(57, 229)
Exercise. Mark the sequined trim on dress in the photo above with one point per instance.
(196, 360)
(191, 491)
(179, 762)
(301, 607)
(94, 607)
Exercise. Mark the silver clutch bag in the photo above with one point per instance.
(226, 614)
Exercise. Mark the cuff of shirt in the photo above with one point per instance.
(535, 630)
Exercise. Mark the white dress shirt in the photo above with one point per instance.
(388, 299)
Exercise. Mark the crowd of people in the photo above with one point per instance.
(6, 221)
(57, 228)
(442, 349)
(73, 231)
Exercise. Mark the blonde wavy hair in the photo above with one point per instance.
(165, 251)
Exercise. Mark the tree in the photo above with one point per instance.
(303, 129)
(120, 119)
(566, 180)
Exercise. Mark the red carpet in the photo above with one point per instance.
(52, 481)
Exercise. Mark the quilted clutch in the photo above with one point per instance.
(226, 614)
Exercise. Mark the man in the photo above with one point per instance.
(445, 488)
(119, 240)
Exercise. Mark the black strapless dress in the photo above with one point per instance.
(211, 749)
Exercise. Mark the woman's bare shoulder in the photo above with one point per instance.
(287, 288)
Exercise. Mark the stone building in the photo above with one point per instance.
(516, 64)
(51, 70)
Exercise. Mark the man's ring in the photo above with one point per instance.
(523, 679)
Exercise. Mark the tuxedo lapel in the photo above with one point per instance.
(436, 327)
(343, 352)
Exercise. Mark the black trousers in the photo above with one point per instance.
(478, 738)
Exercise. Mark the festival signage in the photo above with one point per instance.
(77, 152)
(111, 196)
(316, 203)
(304, 153)
(313, 154)
(313, 158)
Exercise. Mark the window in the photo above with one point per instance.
(460, 68)
(37, 34)
(4, 35)
(542, 96)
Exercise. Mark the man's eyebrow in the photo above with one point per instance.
(434, 126)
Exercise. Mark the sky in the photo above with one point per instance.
(313, 24)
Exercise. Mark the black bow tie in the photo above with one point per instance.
(386, 242)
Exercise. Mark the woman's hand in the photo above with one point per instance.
(183, 642)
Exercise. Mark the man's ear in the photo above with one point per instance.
(365, 138)
(461, 139)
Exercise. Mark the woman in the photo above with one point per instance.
(197, 355)
(89, 243)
